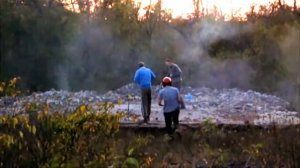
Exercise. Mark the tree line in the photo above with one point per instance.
(55, 44)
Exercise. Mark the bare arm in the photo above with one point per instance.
(160, 99)
(180, 99)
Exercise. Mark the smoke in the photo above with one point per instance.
(290, 47)
(98, 60)
(95, 60)
(62, 77)
(211, 72)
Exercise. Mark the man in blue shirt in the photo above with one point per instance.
(170, 98)
(143, 77)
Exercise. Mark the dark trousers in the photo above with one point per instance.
(146, 104)
(171, 118)
(178, 86)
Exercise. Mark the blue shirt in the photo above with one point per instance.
(170, 96)
(143, 76)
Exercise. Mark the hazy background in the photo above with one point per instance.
(52, 47)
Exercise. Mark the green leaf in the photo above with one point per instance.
(33, 129)
(259, 145)
(132, 162)
(21, 134)
(14, 122)
(130, 151)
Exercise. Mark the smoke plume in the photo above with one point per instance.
(212, 72)
(99, 60)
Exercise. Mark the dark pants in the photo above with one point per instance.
(171, 117)
(146, 104)
(178, 86)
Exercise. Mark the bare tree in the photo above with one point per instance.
(279, 3)
(198, 9)
(152, 16)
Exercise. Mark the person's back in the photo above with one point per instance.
(143, 77)
(175, 73)
(170, 96)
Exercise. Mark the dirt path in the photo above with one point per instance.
(191, 115)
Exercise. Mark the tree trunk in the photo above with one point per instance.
(198, 9)
(279, 3)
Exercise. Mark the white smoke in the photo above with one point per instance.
(213, 72)
(290, 47)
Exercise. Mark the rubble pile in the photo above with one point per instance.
(62, 101)
(235, 101)
(231, 106)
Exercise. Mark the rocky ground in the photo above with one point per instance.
(226, 106)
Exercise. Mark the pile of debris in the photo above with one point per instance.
(228, 106)
(62, 101)
(223, 106)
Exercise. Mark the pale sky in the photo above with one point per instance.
(183, 7)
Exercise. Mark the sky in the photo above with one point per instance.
(181, 8)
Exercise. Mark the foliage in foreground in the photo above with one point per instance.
(10, 88)
(86, 138)
(231, 146)
(80, 139)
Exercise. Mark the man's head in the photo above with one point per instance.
(167, 81)
(141, 64)
(168, 62)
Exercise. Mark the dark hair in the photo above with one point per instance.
(167, 84)
(141, 64)
(168, 60)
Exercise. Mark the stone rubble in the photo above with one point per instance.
(228, 106)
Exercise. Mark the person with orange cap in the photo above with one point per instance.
(170, 99)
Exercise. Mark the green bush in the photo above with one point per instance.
(39, 139)
(10, 88)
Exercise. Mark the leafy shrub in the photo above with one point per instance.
(10, 88)
(39, 139)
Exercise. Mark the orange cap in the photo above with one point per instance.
(167, 81)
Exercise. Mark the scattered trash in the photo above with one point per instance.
(188, 97)
(222, 106)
